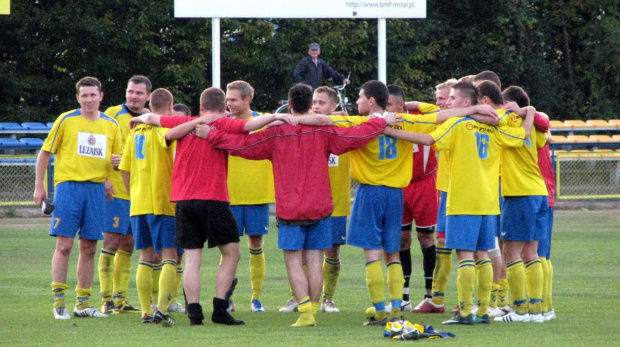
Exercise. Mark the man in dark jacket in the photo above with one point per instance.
(311, 69)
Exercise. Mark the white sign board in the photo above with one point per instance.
(294, 9)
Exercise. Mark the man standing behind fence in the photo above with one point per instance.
(85, 142)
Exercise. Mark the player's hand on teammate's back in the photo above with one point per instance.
(486, 110)
(210, 117)
(290, 119)
(392, 118)
(134, 121)
(202, 130)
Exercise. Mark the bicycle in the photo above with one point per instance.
(343, 101)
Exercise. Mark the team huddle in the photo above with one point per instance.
(169, 182)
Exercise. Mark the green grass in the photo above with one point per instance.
(586, 298)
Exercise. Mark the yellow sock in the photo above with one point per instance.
(155, 289)
(395, 282)
(144, 283)
(484, 280)
(503, 292)
(550, 285)
(331, 274)
(177, 284)
(443, 266)
(465, 285)
(306, 318)
(122, 273)
(534, 283)
(106, 268)
(375, 282)
(315, 308)
(83, 297)
(516, 283)
(494, 295)
(59, 294)
(545, 292)
(257, 271)
(167, 281)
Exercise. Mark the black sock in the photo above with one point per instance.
(429, 257)
(194, 313)
(220, 315)
(405, 260)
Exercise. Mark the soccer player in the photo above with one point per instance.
(517, 95)
(146, 168)
(382, 167)
(118, 243)
(524, 208)
(203, 209)
(325, 101)
(87, 143)
(300, 156)
(421, 204)
(471, 219)
(250, 187)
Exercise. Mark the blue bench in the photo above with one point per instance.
(7, 142)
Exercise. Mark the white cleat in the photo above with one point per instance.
(549, 315)
(176, 307)
(61, 313)
(290, 306)
(513, 317)
(329, 306)
(88, 312)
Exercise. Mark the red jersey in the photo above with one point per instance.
(424, 159)
(300, 156)
(546, 170)
(200, 171)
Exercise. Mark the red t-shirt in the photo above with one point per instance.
(200, 171)
(546, 171)
(424, 160)
(299, 155)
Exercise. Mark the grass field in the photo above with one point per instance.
(585, 255)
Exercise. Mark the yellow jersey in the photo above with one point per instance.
(250, 182)
(386, 161)
(122, 116)
(475, 159)
(340, 181)
(520, 171)
(149, 159)
(82, 147)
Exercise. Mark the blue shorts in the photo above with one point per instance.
(471, 232)
(544, 245)
(314, 237)
(524, 218)
(155, 231)
(117, 217)
(339, 230)
(376, 218)
(441, 213)
(254, 219)
(78, 210)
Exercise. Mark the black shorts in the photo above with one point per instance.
(202, 220)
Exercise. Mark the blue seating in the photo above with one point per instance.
(49, 125)
(35, 126)
(11, 126)
(10, 142)
(31, 141)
